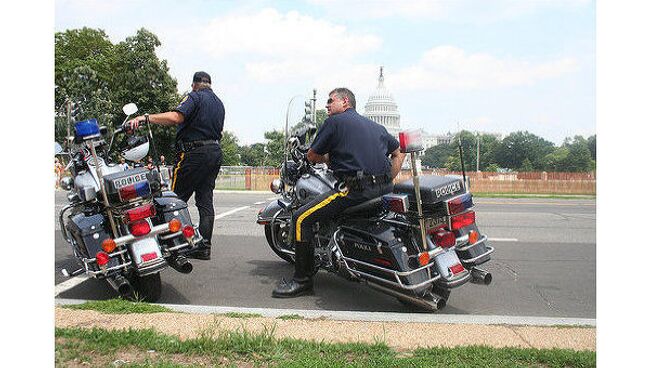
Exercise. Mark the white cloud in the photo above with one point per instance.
(473, 11)
(451, 68)
(283, 36)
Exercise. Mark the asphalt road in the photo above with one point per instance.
(544, 264)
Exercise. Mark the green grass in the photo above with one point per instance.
(544, 196)
(241, 315)
(286, 317)
(148, 348)
(119, 306)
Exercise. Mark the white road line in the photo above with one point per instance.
(504, 239)
(259, 202)
(231, 212)
(271, 198)
(69, 284)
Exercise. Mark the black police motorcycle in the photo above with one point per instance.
(124, 226)
(416, 243)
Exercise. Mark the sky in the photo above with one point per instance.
(491, 66)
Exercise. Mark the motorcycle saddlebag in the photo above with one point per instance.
(377, 244)
(89, 232)
(168, 208)
(434, 190)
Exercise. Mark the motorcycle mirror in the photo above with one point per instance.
(130, 108)
(57, 148)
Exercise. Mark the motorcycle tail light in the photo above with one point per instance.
(424, 258)
(444, 239)
(459, 204)
(383, 261)
(148, 256)
(473, 236)
(175, 225)
(456, 269)
(462, 220)
(139, 228)
(140, 213)
(109, 245)
(188, 231)
(102, 259)
(396, 202)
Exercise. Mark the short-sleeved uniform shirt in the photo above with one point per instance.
(355, 143)
(204, 114)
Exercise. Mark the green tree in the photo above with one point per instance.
(591, 141)
(274, 147)
(253, 155)
(519, 146)
(229, 149)
(436, 156)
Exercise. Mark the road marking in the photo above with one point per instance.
(231, 212)
(259, 202)
(271, 198)
(538, 203)
(504, 239)
(69, 284)
(378, 316)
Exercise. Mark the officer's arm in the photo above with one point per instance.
(316, 158)
(396, 158)
(167, 118)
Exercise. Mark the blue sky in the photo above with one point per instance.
(496, 66)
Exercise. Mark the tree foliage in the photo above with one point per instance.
(99, 78)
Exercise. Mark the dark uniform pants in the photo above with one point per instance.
(195, 172)
(327, 206)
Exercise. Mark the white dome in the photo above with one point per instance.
(381, 107)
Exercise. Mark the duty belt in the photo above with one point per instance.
(361, 182)
(188, 146)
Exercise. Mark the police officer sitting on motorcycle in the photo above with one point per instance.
(357, 150)
(199, 124)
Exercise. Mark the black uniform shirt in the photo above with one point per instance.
(204, 114)
(355, 143)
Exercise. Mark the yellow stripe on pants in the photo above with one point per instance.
(178, 166)
(320, 205)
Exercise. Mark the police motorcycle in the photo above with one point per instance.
(416, 244)
(123, 225)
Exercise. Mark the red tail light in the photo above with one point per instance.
(456, 269)
(149, 256)
(140, 213)
(462, 220)
(383, 262)
(139, 228)
(444, 239)
(459, 204)
(102, 258)
(188, 231)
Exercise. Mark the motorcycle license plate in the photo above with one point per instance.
(145, 250)
(448, 264)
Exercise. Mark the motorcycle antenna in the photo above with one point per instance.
(462, 162)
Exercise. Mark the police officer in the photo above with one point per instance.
(357, 150)
(199, 124)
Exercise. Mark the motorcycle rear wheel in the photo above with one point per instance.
(281, 237)
(146, 288)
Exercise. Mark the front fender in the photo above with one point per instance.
(266, 214)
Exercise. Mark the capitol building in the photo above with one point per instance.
(382, 109)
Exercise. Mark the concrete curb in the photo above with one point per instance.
(375, 316)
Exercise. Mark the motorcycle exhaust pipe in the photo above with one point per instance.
(431, 302)
(121, 285)
(181, 264)
(480, 276)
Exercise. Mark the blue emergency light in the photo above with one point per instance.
(86, 128)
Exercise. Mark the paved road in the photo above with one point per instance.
(544, 264)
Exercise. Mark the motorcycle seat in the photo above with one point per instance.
(370, 206)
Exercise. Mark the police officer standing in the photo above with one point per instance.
(199, 125)
(357, 150)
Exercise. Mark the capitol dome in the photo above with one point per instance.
(381, 107)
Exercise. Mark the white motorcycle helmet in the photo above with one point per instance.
(138, 152)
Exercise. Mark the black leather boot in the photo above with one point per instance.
(293, 288)
(301, 283)
(201, 253)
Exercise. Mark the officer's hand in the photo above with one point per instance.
(135, 122)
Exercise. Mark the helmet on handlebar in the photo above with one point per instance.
(137, 148)
(290, 172)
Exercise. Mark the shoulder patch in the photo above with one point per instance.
(184, 99)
